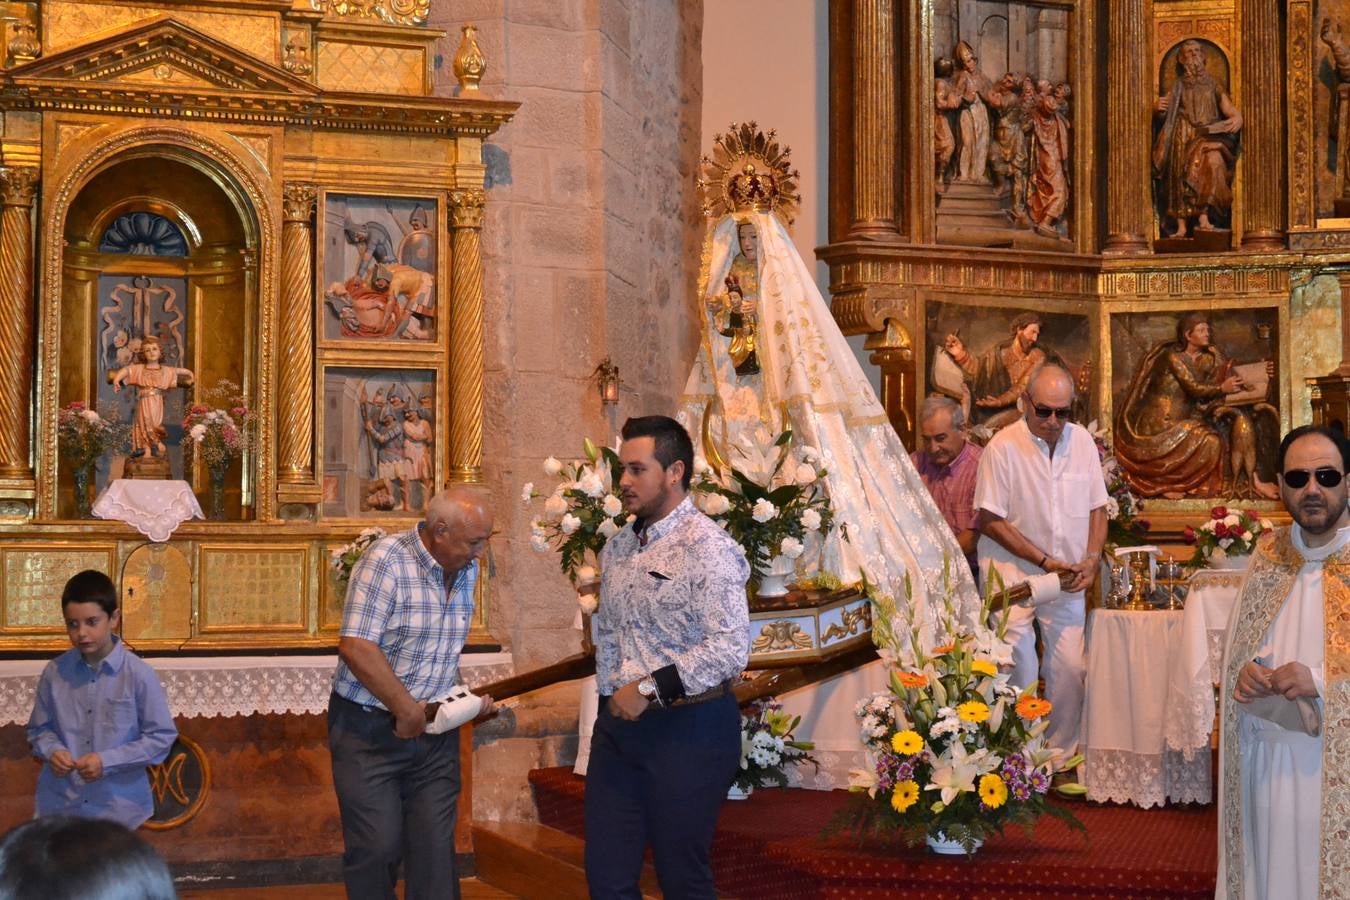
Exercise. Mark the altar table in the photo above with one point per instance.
(207, 686)
(1196, 666)
(1126, 759)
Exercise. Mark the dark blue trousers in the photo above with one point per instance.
(661, 781)
(397, 799)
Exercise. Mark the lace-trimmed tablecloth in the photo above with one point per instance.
(233, 685)
(153, 506)
(1126, 758)
(1196, 666)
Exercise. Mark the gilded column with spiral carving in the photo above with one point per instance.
(1263, 125)
(1129, 106)
(295, 394)
(18, 184)
(874, 129)
(466, 335)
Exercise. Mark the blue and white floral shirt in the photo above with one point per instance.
(677, 599)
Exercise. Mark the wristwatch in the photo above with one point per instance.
(647, 688)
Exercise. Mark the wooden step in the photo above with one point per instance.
(537, 862)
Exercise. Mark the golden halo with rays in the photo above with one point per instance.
(748, 169)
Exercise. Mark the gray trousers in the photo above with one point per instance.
(397, 799)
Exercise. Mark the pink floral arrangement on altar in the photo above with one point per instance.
(84, 434)
(958, 752)
(1124, 526)
(1228, 533)
(220, 434)
(580, 515)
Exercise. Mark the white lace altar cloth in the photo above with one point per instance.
(1126, 759)
(153, 506)
(826, 709)
(206, 687)
(1194, 669)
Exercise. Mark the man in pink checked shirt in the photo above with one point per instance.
(947, 464)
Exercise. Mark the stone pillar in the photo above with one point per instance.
(1263, 128)
(1129, 108)
(18, 184)
(466, 335)
(874, 121)
(295, 344)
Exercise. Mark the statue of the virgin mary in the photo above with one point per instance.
(759, 296)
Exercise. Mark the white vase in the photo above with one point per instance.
(774, 582)
(1221, 560)
(939, 843)
(736, 793)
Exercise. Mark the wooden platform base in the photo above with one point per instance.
(535, 861)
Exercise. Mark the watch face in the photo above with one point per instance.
(646, 688)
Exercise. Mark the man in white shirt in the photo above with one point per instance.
(1284, 794)
(1041, 503)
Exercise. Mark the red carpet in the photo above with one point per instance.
(770, 846)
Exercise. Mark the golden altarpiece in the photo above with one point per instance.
(1090, 181)
(269, 189)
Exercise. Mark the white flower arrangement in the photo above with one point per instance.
(580, 514)
(768, 747)
(343, 559)
(770, 498)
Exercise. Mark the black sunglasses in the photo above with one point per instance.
(1326, 476)
(1045, 412)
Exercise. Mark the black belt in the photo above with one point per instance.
(712, 693)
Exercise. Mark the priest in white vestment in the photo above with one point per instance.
(1284, 801)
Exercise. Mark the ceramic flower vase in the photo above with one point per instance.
(940, 843)
(774, 582)
(1221, 560)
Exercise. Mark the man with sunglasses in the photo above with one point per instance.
(1284, 756)
(1041, 502)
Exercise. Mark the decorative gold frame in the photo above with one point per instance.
(212, 85)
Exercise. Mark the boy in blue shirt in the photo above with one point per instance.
(100, 716)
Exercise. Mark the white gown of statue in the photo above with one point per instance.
(808, 369)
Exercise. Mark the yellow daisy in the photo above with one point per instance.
(907, 742)
(992, 791)
(973, 711)
(984, 667)
(905, 795)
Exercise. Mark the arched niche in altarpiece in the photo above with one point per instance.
(157, 243)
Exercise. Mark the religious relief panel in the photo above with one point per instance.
(379, 265)
(1196, 139)
(1197, 402)
(1002, 125)
(379, 436)
(982, 356)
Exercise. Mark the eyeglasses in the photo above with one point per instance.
(1045, 412)
(1326, 476)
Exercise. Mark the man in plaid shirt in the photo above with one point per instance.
(407, 614)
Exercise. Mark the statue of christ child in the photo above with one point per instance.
(151, 380)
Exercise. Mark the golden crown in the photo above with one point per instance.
(748, 170)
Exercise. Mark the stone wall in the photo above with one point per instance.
(591, 249)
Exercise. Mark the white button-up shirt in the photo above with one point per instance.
(677, 600)
(1048, 499)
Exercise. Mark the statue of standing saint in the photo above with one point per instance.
(151, 379)
(973, 87)
(1195, 153)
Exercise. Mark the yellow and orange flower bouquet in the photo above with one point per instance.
(958, 752)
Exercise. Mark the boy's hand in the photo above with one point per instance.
(90, 766)
(62, 763)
